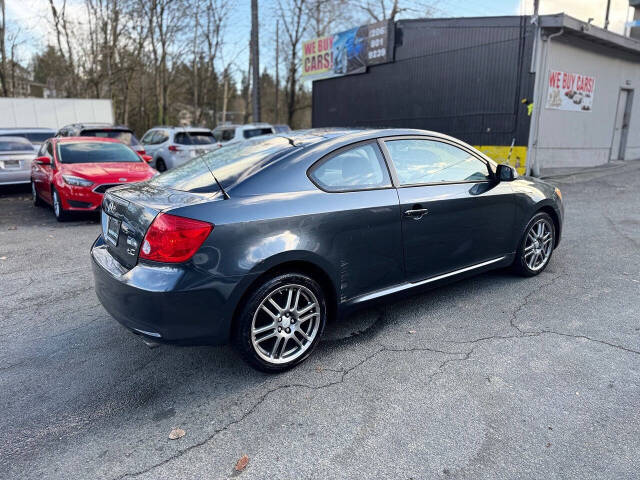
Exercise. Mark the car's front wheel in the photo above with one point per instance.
(58, 210)
(536, 246)
(34, 195)
(161, 166)
(281, 323)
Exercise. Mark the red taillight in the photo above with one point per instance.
(141, 152)
(173, 148)
(173, 239)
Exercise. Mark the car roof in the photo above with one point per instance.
(86, 139)
(102, 126)
(245, 125)
(15, 139)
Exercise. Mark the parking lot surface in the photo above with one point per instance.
(492, 377)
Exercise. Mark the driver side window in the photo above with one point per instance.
(429, 161)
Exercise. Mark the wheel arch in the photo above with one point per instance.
(548, 209)
(290, 265)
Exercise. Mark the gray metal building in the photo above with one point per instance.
(551, 93)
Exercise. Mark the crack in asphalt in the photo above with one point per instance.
(525, 302)
(262, 398)
(343, 373)
(615, 228)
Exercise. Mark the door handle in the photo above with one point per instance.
(416, 213)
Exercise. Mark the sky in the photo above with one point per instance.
(31, 17)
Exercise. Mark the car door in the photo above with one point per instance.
(361, 220)
(43, 174)
(454, 214)
(146, 142)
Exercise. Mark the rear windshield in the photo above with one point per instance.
(96, 152)
(123, 135)
(225, 163)
(254, 132)
(15, 145)
(194, 138)
(33, 137)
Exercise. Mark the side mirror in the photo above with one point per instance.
(43, 161)
(147, 158)
(506, 173)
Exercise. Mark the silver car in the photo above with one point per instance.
(228, 134)
(16, 154)
(173, 146)
(36, 136)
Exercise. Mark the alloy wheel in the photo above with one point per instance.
(34, 194)
(285, 324)
(56, 204)
(538, 245)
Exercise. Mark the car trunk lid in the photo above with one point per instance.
(128, 211)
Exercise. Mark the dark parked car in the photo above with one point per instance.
(262, 241)
(103, 130)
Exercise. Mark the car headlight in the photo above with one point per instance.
(558, 193)
(77, 181)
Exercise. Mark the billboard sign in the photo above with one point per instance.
(570, 91)
(348, 52)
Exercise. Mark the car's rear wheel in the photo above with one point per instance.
(536, 246)
(281, 323)
(58, 210)
(37, 201)
(161, 166)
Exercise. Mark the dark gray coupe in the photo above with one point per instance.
(263, 241)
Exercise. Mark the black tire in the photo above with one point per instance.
(58, 210)
(37, 201)
(283, 329)
(160, 165)
(522, 264)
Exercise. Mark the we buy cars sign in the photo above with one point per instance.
(570, 91)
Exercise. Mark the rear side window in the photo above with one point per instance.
(33, 137)
(15, 145)
(255, 132)
(124, 136)
(359, 168)
(429, 161)
(194, 138)
(227, 134)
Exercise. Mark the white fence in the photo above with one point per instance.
(53, 112)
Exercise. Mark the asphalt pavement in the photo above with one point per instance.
(493, 377)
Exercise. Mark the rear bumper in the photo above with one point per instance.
(167, 304)
(14, 176)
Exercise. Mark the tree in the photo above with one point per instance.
(3, 50)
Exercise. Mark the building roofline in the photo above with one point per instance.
(589, 32)
(555, 22)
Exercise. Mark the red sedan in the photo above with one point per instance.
(72, 173)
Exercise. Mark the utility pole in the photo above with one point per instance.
(606, 16)
(277, 67)
(255, 59)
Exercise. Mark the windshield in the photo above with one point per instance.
(96, 152)
(33, 137)
(15, 145)
(124, 136)
(225, 163)
(194, 138)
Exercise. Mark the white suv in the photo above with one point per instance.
(173, 146)
(226, 134)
